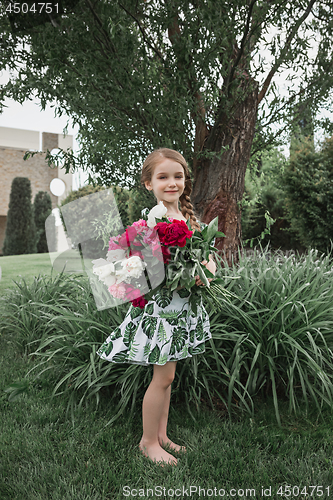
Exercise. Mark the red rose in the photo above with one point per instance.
(176, 234)
(140, 302)
(161, 228)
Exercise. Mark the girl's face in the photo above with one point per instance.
(168, 181)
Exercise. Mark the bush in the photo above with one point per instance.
(42, 209)
(272, 335)
(308, 183)
(264, 193)
(20, 235)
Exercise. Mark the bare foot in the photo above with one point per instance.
(157, 454)
(167, 443)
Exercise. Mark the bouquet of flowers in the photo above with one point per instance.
(172, 244)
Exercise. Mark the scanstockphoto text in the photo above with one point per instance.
(280, 491)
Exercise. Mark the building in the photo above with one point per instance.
(13, 145)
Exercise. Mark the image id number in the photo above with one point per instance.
(35, 8)
(295, 491)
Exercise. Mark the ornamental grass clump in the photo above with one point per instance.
(276, 338)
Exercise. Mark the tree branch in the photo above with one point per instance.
(284, 51)
(153, 48)
(198, 117)
(241, 49)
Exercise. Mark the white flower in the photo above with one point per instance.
(131, 268)
(158, 211)
(102, 268)
(110, 280)
(114, 255)
(135, 266)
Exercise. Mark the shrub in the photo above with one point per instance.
(272, 335)
(308, 182)
(20, 235)
(264, 193)
(42, 209)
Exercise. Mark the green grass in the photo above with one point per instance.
(14, 267)
(45, 456)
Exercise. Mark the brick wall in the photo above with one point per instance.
(36, 169)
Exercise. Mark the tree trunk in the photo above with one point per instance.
(218, 185)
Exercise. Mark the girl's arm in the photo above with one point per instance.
(211, 266)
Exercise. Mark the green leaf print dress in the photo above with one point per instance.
(165, 330)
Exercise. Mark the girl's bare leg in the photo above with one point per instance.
(152, 412)
(162, 429)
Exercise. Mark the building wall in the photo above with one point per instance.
(13, 145)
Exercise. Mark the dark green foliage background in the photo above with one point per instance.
(42, 209)
(308, 185)
(297, 192)
(20, 229)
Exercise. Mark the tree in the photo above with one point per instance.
(20, 235)
(42, 209)
(190, 75)
(302, 128)
(308, 187)
(264, 194)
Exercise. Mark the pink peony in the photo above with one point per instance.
(118, 291)
(136, 253)
(140, 224)
(113, 245)
(127, 237)
(132, 293)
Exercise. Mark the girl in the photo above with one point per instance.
(166, 326)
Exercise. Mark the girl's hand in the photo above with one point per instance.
(198, 281)
(211, 266)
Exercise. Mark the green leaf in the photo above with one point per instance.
(16, 389)
(212, 229)
(154, 355)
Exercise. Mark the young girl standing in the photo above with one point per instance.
(167, 324)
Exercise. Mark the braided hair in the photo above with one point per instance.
(156, 157)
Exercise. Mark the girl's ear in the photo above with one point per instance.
(148, 186)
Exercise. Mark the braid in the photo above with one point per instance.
(186, 205)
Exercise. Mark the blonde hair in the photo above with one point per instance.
(154, 159)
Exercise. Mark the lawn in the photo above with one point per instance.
(44, 456)
(15, 267)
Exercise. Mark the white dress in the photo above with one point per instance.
(165, 330)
